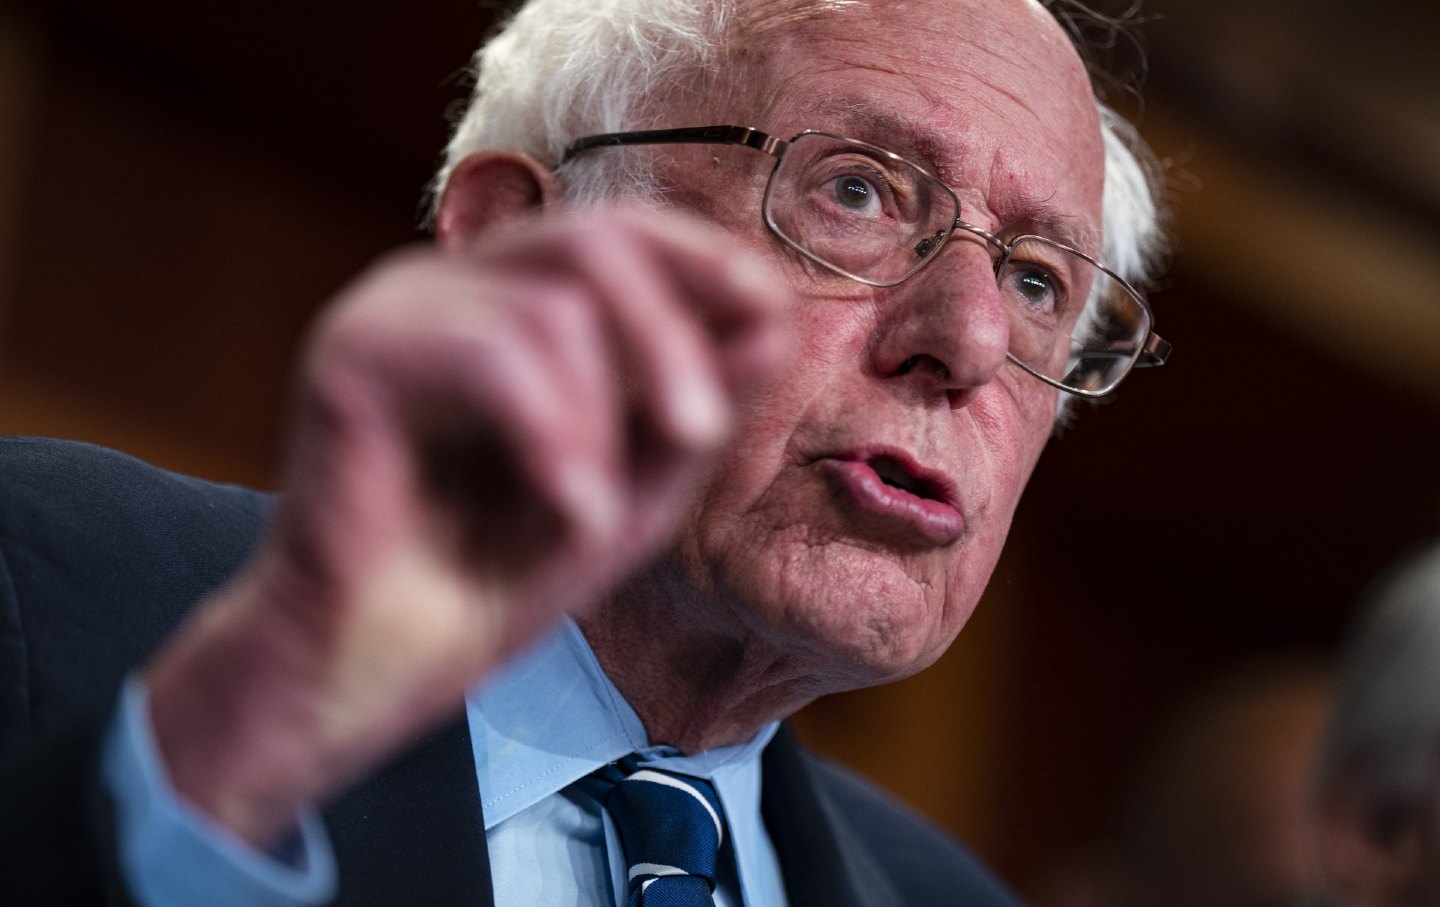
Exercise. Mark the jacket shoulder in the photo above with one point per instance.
(926, 864)
(100, 556)
(843, 841)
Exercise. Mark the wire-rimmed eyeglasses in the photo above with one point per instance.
(875, 217)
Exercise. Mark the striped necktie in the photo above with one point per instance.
(670, 828)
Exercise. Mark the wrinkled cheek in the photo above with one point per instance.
(1030, 431)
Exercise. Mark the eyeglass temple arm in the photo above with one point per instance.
(1157, 350)
(706, 135)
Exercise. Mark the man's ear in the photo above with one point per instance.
(489, 188)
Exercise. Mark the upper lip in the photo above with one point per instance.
(896, 466)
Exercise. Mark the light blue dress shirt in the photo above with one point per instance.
(545, 721)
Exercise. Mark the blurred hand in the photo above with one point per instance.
(481, 442)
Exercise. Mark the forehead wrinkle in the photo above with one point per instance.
(761, 16)
(954, 99)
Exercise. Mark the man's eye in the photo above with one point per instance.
(857, 194)
(1036, 286)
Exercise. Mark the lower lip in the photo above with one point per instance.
(897, 510)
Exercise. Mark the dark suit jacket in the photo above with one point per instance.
(100, 557)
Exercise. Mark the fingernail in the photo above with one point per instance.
(698, 410)
(590, 496)
(751, 278)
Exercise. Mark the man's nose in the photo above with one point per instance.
(946, 328)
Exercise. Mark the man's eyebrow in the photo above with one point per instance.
(914, 141)
(1040, 217)
(940, 153)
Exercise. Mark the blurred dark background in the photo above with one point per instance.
(183, 184)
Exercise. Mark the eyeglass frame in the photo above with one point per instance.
(1153, 349)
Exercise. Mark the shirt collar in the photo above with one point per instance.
(553, 717)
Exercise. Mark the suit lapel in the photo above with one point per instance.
(823, 859)
(430, 795)
(414, 833)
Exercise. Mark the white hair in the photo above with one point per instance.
(1130, 213)
(561, 69)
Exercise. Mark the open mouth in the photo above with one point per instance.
(892, 498)
(892, 473)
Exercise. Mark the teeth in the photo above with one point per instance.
(891, 473)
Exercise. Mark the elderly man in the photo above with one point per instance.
(752, 409)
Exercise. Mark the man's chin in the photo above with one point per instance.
(856, 627)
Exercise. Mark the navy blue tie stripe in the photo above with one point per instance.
(671, 829)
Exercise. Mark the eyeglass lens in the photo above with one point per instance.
(877, 218)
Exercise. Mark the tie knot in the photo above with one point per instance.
(670, 827)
